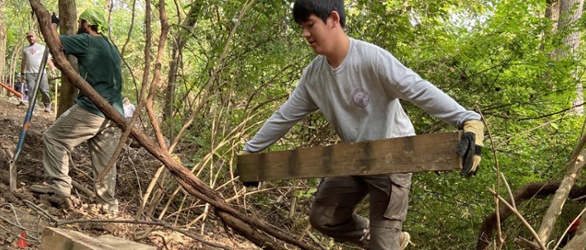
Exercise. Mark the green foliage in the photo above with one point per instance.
(497, 57)
(493, 56)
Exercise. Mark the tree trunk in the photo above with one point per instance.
(67, 92)
(174, 65)
(557, 202)
(552, 12)
(571, 11)
(3, 78)
(185, 30)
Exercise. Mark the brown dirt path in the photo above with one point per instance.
(24, 211)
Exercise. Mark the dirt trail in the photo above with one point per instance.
(23, 211)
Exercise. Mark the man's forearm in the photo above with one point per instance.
(56, 34)
(51, 65)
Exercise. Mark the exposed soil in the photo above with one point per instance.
(24, 211)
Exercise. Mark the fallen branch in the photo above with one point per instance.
(41, 211)
(527, 244)
(83, 189)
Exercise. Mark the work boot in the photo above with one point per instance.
(110, 209)
(365, 240)
(45, 189)
(404, 239)
(61, 201)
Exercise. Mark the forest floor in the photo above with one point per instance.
(24, 211)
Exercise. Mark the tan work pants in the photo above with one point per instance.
(332, 212)
(72, 128)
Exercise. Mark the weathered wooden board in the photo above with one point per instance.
(65, 239)
(421, 153)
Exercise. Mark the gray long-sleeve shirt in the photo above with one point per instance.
(360, 98)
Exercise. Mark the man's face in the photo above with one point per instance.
(317, 34)
(82, 26)
(31, 39)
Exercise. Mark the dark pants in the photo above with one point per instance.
(333, 214)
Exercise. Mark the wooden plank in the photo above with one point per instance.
(421, 153)
(64, 239)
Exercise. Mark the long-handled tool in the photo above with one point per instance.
(27, 120)
(11, 90)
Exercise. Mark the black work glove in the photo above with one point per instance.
(251, 184)
(255, 184)
(470, 147)
(55, 19)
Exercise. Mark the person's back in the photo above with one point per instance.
(99, 64)
(18, 87)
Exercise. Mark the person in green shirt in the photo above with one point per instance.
(99, 64)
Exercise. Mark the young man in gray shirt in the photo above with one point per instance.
(357, 86)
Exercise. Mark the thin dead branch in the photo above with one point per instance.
(520, 217)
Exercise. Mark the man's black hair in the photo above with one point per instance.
(94, 28)
(302, 9)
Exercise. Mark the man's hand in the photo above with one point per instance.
(470, 147)
(55, 19)
(247, 183)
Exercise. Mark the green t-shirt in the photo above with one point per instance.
(99, 64)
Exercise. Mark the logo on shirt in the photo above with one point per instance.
(32, 51)
(360, 97)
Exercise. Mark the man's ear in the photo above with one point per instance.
(335, 16)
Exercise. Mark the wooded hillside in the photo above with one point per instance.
(205, 75)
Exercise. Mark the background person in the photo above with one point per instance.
(128, 109)
(22, 88)
(30, 67)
